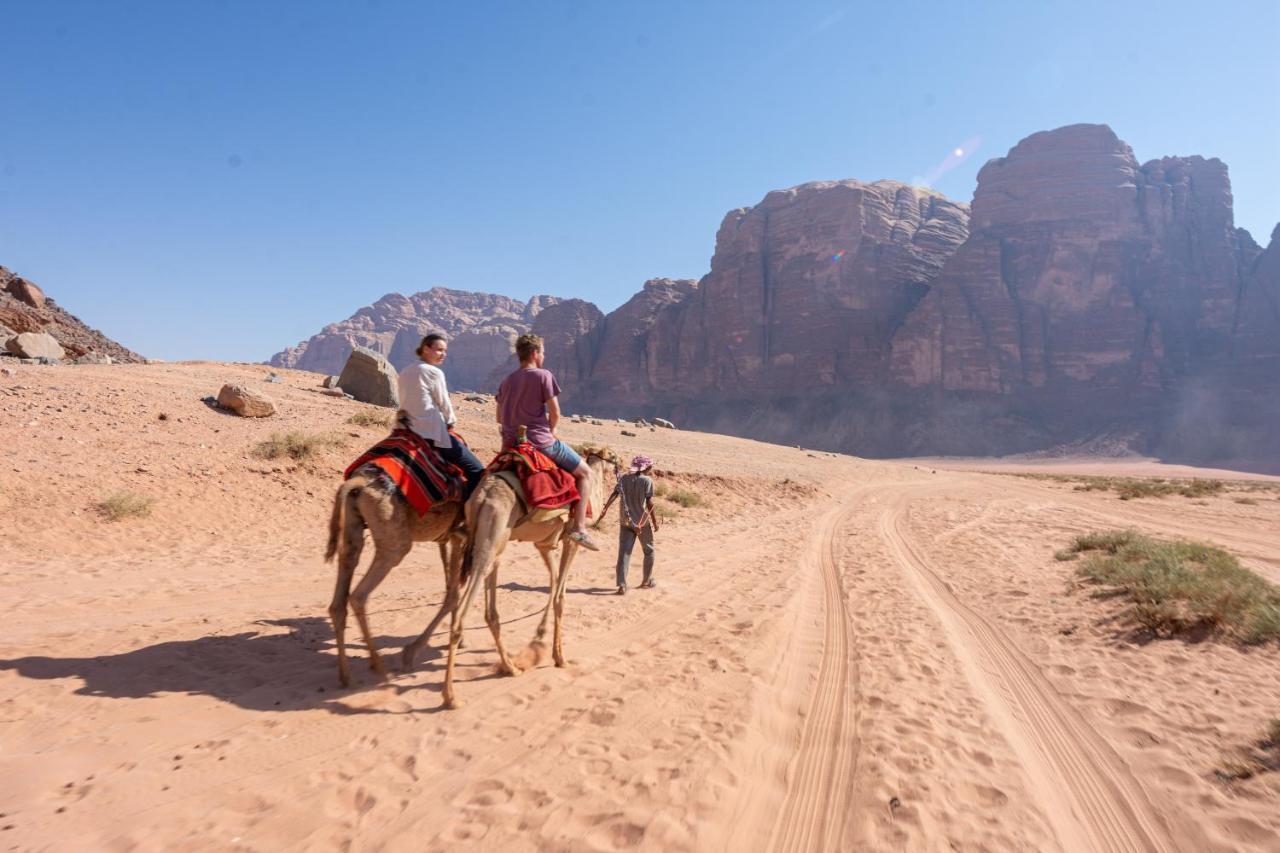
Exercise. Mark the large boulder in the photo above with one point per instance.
(370, 378)
(35, 345)
(246, 402)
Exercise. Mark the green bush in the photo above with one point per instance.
(1176, 586)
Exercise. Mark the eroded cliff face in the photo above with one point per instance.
(482, 328)
(807, 288)
(1084, 298)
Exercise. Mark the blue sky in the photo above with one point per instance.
(221, 179)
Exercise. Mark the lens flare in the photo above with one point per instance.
(837, 256)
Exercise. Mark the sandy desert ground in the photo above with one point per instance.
(841, 654)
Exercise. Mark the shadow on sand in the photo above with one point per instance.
(280, 672)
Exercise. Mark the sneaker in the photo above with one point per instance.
(584, 540)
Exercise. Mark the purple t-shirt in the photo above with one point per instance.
(522, 401)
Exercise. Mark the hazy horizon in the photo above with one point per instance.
(222, 179)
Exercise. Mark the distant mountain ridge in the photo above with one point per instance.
(482, 328)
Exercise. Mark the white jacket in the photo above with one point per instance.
(424, 394)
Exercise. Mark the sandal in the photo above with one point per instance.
(622, 590)
(649, 584)
(584, 540)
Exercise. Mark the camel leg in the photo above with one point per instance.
(455, 634)
(536, 651)
(452, 571)
(505, 664)
(385, 558)
(348, 559)
(562, 581)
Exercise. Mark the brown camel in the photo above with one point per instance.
(495, 516)
(369, 499)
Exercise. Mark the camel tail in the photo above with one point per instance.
(467, 554)
(338, 520)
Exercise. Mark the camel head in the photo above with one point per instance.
(601, 459)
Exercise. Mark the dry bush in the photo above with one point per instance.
(371, 418)
(1247, 501)
(295, 445)
(684, 497)
(1261, 757)
(124, 505)
(1178, 586)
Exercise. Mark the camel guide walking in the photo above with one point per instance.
(424, 398)
(638, 520)
(528, 398)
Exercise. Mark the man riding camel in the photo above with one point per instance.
(529, 398)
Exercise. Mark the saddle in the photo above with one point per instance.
(415, 467)
(541, 485)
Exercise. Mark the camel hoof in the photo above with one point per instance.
(408, 659)
(451, 704)
(344, 681)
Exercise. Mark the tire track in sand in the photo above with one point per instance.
(1091, 800)
(819, 787)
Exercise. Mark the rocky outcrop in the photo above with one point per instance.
(24, 307)
(1091, 293)
(481, 327)
(625, 357)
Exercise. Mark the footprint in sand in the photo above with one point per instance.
(489, 792)
(616, 833)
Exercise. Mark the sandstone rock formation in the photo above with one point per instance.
(1084, 295)
(25, 308)
(369, 378)
(482, 328)
(246, 402)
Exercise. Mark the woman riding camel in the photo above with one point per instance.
(528, 398)
(424, 398)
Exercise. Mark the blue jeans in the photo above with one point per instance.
(563, 455)
(459, 454)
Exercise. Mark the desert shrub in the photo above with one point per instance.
(295, 445)
(371, 418)
(664, 512)
(661, 489)
(1175, 586)
(1262, 757)
(1247, 501)
(684, 497)
(124, 505)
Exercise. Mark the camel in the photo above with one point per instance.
(494, 516)
(369, 499)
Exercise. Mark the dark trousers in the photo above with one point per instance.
(626, 542)
(459, 454)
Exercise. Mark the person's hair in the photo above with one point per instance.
(527, 345)
(428, 342)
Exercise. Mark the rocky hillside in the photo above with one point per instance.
(482, 327)
(25, 308)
